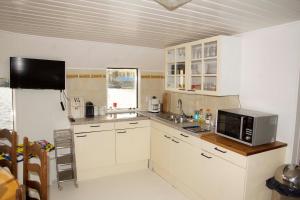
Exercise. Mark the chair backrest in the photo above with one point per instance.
(41, 169)
(11, 150)
(20, 193)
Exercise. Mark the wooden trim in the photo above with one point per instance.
(240, 148)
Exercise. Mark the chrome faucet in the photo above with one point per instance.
(179, 105)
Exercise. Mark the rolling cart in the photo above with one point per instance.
(65, 157)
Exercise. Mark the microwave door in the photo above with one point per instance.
(230, 124)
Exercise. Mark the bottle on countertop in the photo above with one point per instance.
(201, 118)
(208, 119)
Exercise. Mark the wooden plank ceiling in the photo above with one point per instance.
(143, 22)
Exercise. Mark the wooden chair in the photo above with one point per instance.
(20, 193)
(11, 150)
(41, 170)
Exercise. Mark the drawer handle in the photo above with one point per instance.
(192, 90)
(133, 123)
(81, 135)
(122, 132)
(217, 149)
(184, 135)
(175, 141)
(182, 89)
(95, 126)
(208, 157)
(168, 137)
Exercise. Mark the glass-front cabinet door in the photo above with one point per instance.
(203, 66)
(196, 67)
(210, 66)
(176, 69)
(180, 68)
(170, 75)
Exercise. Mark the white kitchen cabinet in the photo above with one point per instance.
(176, 67)
(160, 148)
(208, 171)
(94, 149)
(132, 144)
(211, 66)
(182, 157)
(219, 179)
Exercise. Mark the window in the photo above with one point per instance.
(122, 88)
(6, 111)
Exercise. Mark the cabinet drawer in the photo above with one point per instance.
(163, 128)
(132, 124)
(226, 154)
(93, 127)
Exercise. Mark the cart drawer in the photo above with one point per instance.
(65, 175)
(64, 159)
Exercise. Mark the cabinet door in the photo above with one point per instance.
(210, 66)
(132, 145)
(196, 62)
(160, 148)
(220, 179)
(176, 68)
(94, 149)
(183, 166)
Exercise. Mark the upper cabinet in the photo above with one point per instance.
(210, 67)
(176, 67)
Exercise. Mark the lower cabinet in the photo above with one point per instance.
(132, 145)
(94, 149)
(218, 179)
(183, 157)
(160, 148)
(209, 177)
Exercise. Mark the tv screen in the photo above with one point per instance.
(30, 73)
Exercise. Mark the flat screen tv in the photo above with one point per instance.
(30, 73)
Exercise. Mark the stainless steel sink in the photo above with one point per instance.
(173, 117)
(195, 129)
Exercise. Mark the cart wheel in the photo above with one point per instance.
(60, 187)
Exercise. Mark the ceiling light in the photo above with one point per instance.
(172, 4)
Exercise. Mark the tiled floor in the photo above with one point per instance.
(140, 185)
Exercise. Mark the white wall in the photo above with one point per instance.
(38, 112)
(270, 75)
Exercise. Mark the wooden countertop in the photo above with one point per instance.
(240, 148)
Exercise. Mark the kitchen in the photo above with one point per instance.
(268, 71)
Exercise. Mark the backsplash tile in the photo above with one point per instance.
(193, 102)
(91, 85)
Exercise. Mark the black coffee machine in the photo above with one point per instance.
(89, 109)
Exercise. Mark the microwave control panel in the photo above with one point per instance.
(247, 132)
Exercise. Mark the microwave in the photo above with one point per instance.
(247, 126)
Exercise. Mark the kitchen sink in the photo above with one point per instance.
(195, 129)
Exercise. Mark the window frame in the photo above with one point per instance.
(137, 87)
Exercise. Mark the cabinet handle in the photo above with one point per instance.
(192, 90)
(133, 123)
(182, 89)
(175, 141)
(95, 126)
(81, 135)
(217, 149)
(122, 132)
(184, 135)
(168, 137)
(202, 154)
